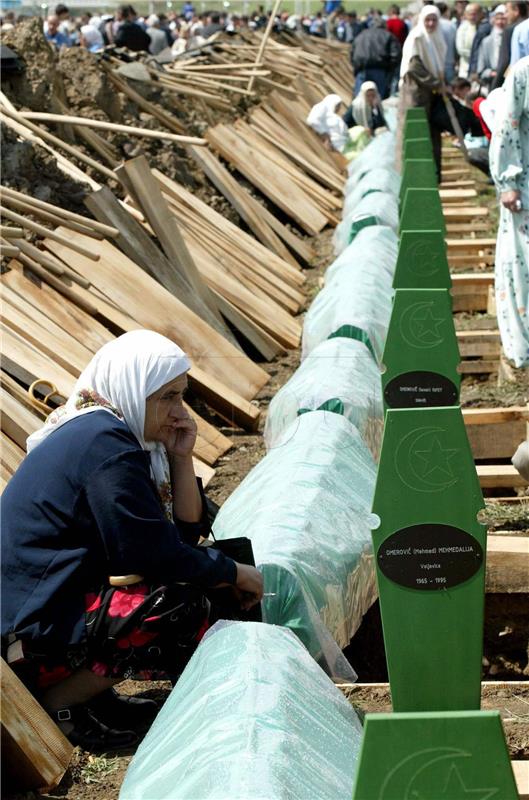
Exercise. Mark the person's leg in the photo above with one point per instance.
(78, 688)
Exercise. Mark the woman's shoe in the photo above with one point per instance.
(85, 730)
(123, 711)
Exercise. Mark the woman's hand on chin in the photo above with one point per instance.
(180, 438)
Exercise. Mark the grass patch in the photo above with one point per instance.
(97, 768)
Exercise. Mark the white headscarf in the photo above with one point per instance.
(119, 379)
(430, 47)
(92, 36)
(362, 110)
(324, 120)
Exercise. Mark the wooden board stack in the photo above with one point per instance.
(164, 259)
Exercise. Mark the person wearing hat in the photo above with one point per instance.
(489, 52)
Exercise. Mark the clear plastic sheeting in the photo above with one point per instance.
(340, 376)
(377, 243)
(382, 180)
(382, 209)
(354, 302)
(252, 717)
(306, 508)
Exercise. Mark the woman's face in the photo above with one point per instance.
(371, 97)
(164, 408)
(431, 22)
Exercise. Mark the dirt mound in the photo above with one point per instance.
(31, 169)
(35, 86)
(88, 90)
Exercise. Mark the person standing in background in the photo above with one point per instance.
(520, 42)
(375, 54)
(448, 30)
(509, 167)
(483, 30)
(465, 37)
(396, 25)
(422, 72)
(489, 52)
(515, 12)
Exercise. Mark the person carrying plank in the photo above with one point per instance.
(108, 489)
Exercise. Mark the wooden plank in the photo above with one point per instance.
(36, 753)
(268, 347)
(21, 394)
(521, 776)
(456, 195)
(146, 301)
(479, 366)
(464, 213)
(493, 476)
(10, 453)
(470, 245)
(66, 315)
(253, 249)
(489, 416)
(242, 201)
(496, 440)
(17, 421)
(507, 564)
(28, 364)
(149, 195)
(134, 241)
(41, 332)
(268, 178)
(479, 343)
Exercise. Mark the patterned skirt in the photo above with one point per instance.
(139, 631)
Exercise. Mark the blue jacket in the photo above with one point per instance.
(82, 506)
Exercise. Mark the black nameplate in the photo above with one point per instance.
(430, 557)
(420, 389)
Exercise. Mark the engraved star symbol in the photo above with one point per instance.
(436, 458)
(455, 789)
(427, 326)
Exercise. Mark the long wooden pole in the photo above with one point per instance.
(66, 119)
(456, 126)
(264, 41)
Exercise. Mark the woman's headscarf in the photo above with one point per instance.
(92, 37)
(324, 120)
(430, 47)
(362, 109)
(119, 379)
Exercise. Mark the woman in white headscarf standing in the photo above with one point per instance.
(422, 71)
(108, 489)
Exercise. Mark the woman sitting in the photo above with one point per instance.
(108, 489)
(366, 109)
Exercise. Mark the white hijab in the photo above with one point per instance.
(362, 110)
(119, 379)
(430, 47)
(324, 120)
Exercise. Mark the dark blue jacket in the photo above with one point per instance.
(82, 506)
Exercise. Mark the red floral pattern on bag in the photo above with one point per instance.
(125, 601)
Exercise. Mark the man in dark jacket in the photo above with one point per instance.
(130, 34)
(515, 12)
(375, 53)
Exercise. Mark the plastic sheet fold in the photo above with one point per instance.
(252, 717)
(377, 208)
(307, 509)
(377, 244)
(383, 180)
(355, 303)
(338, 376)
(379, 153)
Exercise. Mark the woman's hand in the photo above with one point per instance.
(511, 200)
(180, 438)
(249, 586)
